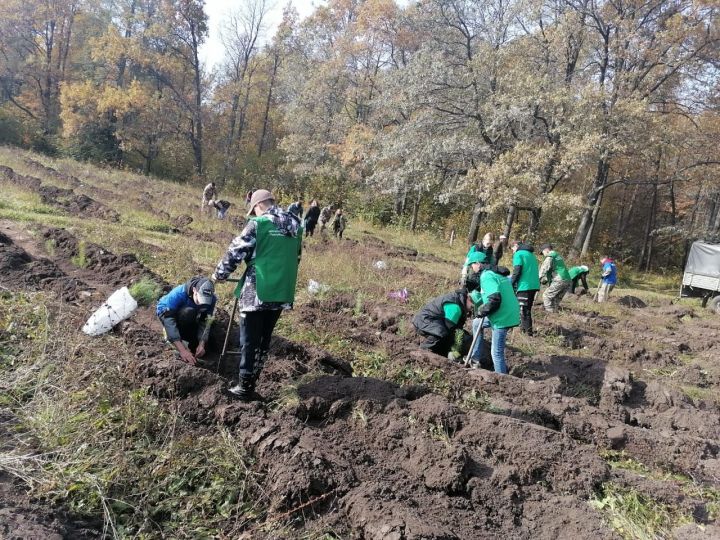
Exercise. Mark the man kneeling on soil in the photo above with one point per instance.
(270, 245)
(440, 318)
(185, 315)
(498, 308)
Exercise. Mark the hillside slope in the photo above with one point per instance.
(607, 426)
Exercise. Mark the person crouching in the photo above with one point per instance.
(440, 318)
(185, 315)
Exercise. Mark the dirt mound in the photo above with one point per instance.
(76, 204)
(106, 267)
(631, 302)
(29, 182)
(65, 178)
(181, 222)
(20, 270)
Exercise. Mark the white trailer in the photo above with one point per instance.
(702, 275)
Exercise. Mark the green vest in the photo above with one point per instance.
(575, 271)
(508, 314)
(529, 278)
(276, 262)
(559, 267)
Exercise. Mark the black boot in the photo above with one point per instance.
(245, 389)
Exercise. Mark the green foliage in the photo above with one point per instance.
(636, 516)
(80, 260)
(145, 291)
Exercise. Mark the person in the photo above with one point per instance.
(439, 319)
(296, 208)
(270, 244)
(499, 248)
(487, 247)
(498, 308)
(185, 315)
(222, 206)
(209, 194)
(579, 273)
(325, 215)
(525, 281)
(311, 218)
(554, 272)
(339, 223)
(608, 279)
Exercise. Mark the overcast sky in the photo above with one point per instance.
(212, 50)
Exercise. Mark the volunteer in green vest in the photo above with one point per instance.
(270, 245)
(579, 273)
(439, 319)
(554, 272)
(525, 281)
(497, 308)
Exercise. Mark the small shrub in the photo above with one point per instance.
(80, 260)
(50, 246)
(145, 292)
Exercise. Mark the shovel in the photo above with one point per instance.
(229, 327)
(477, 335)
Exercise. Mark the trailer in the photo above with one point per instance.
(701, 278)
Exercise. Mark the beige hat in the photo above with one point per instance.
(261, 195)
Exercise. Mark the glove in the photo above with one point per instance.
(215, 279)
(453, 356)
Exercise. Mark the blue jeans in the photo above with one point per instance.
(497, 348)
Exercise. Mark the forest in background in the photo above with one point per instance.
(591, 123)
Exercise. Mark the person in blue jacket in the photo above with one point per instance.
(609, 279)
(185, 315)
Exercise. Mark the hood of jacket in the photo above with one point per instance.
(526, 247)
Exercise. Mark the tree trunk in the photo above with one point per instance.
(648, 231)
(509, 222)
(629, 213)
(601, 176)
(230, 138)
(268, 101)
(477, 216)
(197, 127)
(534, 227)
(673, 207)
(691, 226)
(416, 209)
(596, 211)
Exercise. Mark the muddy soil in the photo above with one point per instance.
(76, 204)
(103, 265)
(484, 456)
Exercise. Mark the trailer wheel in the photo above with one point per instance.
(714, 305)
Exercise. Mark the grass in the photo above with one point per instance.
(87, 440)
(635, 516)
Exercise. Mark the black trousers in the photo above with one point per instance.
(256, 328)
(438, 345)
(310, 227)
(580, 277)
(189, 327)
(526, 300)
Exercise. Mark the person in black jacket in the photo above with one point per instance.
(311, 218)
(438, 320)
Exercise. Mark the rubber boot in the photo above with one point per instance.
(245, 389)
